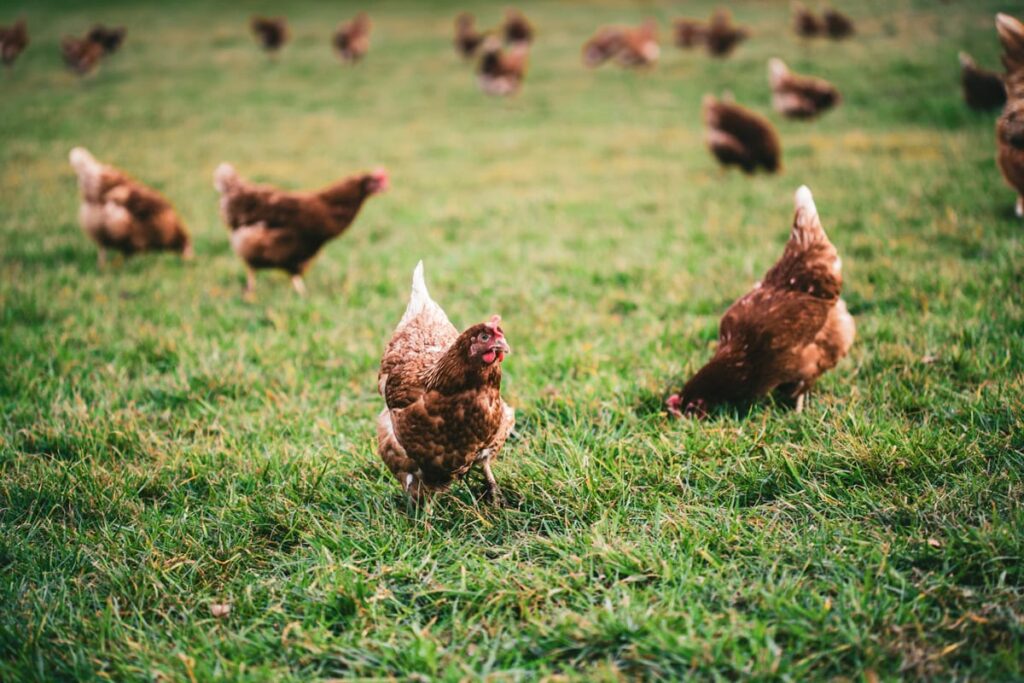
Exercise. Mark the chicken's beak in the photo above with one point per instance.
(502, 346)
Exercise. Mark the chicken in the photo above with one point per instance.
(501, 71)
(442, 392)
(271, 228)
(352, 40)
(120, 213)
(467, 39)
(799, 97)
(837, 24)
(1010, 125)
(738, 136)
(791, 328)
(110, 38)
(689, 32)
(517, 28)
(805, 22)
(983, 89)
(81, 55)
(722, 35)
(630, 46)
(271, 32)
(13, 41)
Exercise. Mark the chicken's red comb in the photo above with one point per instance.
(494, 323)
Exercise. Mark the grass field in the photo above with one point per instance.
(166, 446)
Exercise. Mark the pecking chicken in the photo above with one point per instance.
(502, 70)
(689, 32)
(983, 89)
(352, 39)
(1010, 125)
(120, 213)
(723, 35)
(110, 38)
(81, 55)
(13, 41)
(738, 136)
(629, 46)
(271, 228)
(805, 22)
(467, 39)
(271, 32)
(799, 97)
(517, 28)
(791, 328)
(442, 392)
(837, 24)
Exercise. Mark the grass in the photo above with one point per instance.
(166, 447)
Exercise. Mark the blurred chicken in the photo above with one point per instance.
(983, 89)
(120, 213)
(805, 22)
(352, 40)
(271, 228)
(501, 71)
(109, 38)
(837, 24)
(467, 39)
(629, 46)
(799, 97)
(517, 28)
(442, 393)
(1010, 126)
(722, 35)
(271, 32)
(689, 32)
(738, 136)
(13, 41)
(81, 55)
(791, 328)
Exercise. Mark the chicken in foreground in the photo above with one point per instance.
(791, 328)
(13, 41)
(467, 39)
(983, 89)
(629, 46)
(1010, 125)
(81, 55)
(271, 32)
(110, 39)
(723, 35)
(805, 22)
(502, 70)
(271, 228)
(517, 29)
(799, 97)
(352, 39)
(837, 24)
(120, 213)
(740, 137)
(442, 392)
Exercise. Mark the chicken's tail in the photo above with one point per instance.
(965, 60)
(225, 178)
(807, 227)
(84, 163)
(1011, 35)
(419, 298)
(777, 71)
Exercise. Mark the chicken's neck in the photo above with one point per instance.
(725, 378)
(455, 371)
(344, 201)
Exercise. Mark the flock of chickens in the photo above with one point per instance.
(443, 409)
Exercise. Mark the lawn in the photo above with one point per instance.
(167, 447)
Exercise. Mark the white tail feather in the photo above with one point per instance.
(777, 70)
(805, 200)
(807, 227)
(419, 298)
(224, 177)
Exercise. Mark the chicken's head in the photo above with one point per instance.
(488, 342)
(697, 408)
(377, 181)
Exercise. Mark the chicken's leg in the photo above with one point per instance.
(493, 493)
(101, 258)
(250, 283)
(1019, 209)
(298, 285)
(800, 403)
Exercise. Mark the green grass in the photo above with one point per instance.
(166, 446)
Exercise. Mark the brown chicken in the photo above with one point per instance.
(81, 55)
(689, 32)
(352, 40)
(1010, 125)
(791, 328)
(467, 39)
(806, 23)
(517, 28)
(271, 228)
(740, 137)
(722, 35)
(271, 32)
(13, 41)
(838, 25)
(442, 393)
(120, 213)
(502, 70)
(799, 97)
(629, 46)
(983, 89)
(110, 39)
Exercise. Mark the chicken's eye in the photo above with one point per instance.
(485, 337)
